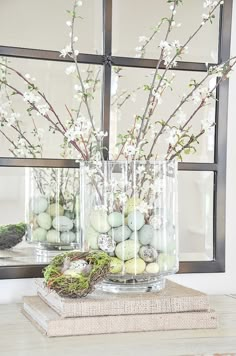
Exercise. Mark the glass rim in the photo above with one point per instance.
(162, 161)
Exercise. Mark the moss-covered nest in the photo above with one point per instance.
(11, 235)
(76, 285)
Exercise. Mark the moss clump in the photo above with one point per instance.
(82, 284)
(11, 235)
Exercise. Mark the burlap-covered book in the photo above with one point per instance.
(52, 324)
(173, 299)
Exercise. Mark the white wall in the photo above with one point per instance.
(13, 290)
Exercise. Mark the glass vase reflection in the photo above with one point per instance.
(52, 209)
(129, 210)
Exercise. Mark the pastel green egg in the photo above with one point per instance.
(120, 233)
(134, 236)
(39, 204)
(99, 221)
(53, 236)
(127, 249)
(159, 240)
(71, 273)
(135, 220)
(67, 237)
(91, 236)
(116, 265)
(146, 234)
(62, 223)
(115, 219)
(131, 205)
(135, 266)
(39, 234)
(44, 220)
(55, 210)
(152, 267)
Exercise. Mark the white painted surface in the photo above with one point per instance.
(13, 290)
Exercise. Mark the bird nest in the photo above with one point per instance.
(76, 285)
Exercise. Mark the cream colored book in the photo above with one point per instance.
(173, 299)
(51, 324)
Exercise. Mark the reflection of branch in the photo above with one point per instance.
(157, 29)
(178, 53)
(12, 142)
(79, 149)
(223, 77)
(155, 74)
(78, 70)
(38, 91)
(33, 106)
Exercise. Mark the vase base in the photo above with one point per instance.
(153, 285)
(54, 250)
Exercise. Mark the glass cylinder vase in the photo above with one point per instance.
(129, 210)
(52, 209)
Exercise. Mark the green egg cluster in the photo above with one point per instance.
(136, 246)
(51, 223)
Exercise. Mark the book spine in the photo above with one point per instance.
(125, 324)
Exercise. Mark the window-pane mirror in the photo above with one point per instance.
(129, 94)
(42, 24)
(196, 216)
(60, 108)
(12, 208)
(140, 21)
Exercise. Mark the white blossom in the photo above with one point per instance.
(65, 51)
(77, 87)
(207, 122)
(143, 39)
(172, 137)
(143, 207)
(122, 197)
(181, 117)
(209, 4)
(100, 134)
(30, 97)
(200, 94)
(129, 150)
(140, 169)
(138, 49)
(71, 69)
(40, 133)
(205, 17)
(79, 3)
(11, 120)
(42, 109)
(68, 23)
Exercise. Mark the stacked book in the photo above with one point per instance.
(174, 308)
